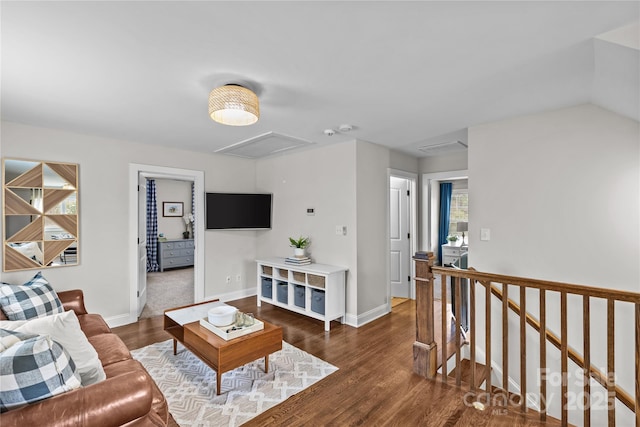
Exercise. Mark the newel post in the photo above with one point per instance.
(425, 349)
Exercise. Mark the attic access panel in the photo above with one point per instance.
(264, 145)
(443, 148)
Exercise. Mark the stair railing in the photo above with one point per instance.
(425, 348)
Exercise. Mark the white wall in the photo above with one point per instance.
(616, 85)
(447, 162)
(372, 228)
(347, 185)
(324, 179)
(560, 192)
(103, 273)
(171, 190)
(404, 162)
(543, 181)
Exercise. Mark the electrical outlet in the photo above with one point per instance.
(338, 230)
(238, 278)
(228, 279)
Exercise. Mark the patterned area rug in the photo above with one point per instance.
(190, 386)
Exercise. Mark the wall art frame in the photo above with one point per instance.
(173, 209)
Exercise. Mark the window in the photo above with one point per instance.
(459, 210)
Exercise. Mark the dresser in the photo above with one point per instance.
(175, 253)
(451, 253)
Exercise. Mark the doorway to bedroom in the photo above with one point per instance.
(436, 230)
(170, 212)
(168, 200)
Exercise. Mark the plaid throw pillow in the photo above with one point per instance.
(36, 298)
(32, 368)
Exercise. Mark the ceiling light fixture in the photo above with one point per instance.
(234, 105)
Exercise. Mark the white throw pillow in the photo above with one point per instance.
(65, 329)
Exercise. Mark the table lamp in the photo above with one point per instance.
(462, 226)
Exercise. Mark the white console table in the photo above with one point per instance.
(451, 254)
(315, 290)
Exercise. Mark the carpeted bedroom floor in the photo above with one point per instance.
(171, 288)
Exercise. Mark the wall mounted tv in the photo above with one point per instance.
(238, 211)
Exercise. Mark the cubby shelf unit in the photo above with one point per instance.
(324, 288)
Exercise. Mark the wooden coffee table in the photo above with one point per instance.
(183, 324)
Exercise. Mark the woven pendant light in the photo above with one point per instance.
(234, 105)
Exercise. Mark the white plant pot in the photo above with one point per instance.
(299, 252)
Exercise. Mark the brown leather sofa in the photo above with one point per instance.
(128, 397)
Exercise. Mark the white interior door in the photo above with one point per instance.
(142, 242)
(399, 237)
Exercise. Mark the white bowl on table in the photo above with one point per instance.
(222, 316)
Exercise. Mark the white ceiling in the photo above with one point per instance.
(404, 74)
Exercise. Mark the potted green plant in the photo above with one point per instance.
(299, 245)
(452, 239)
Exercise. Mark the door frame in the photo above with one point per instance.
(413, 226)
(142, 253)
(430, 205)
(162, 172)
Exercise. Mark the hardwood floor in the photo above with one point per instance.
(395, 301)
(375, 384)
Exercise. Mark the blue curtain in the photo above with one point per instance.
(445, 209)
(152, 227)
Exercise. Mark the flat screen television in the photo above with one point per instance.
(238, 211)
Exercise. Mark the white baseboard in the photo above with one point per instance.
(230, 296)
(120, 320)
(358, 320)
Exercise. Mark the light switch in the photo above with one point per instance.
(485, 234)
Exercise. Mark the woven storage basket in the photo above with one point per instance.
(267, 270)
(317, 281)
(298, 277)
(283, 273)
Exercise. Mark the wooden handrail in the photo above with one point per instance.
(591, 291)
(426, 350)
(576, 358)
